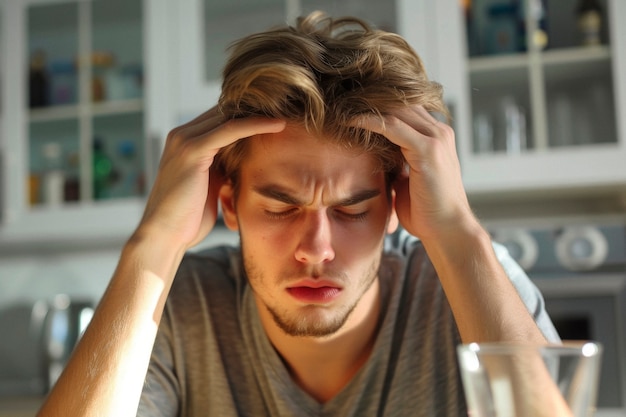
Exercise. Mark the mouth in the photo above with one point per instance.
(314, 292)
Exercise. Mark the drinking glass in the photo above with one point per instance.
(524, 380)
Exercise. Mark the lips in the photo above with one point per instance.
(314, 292)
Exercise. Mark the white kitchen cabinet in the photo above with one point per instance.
(82, 120)
(564, 105)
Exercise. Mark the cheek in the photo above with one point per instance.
(261, 235)
(362, 239)
(358, 246)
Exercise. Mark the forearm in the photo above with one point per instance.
(106, 372)
(485, 304)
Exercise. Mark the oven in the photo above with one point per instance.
(581, 271)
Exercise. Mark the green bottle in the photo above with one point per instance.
(102, 170)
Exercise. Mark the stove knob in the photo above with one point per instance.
(581, 248)
(521, 245)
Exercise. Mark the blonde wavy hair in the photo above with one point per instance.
(323, 74)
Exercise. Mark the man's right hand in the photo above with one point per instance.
(182, 206)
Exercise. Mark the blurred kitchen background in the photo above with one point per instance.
(90, 88)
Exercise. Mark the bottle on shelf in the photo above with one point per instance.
(473, 41)
(53, 181)
(539, 13)
(38, 80)
(589, 15)
(104, 172)
(515, 126)
(72, 179)
(63, 82)
(502, 32)
(103, 62)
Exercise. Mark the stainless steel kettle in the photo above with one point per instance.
(36, 340)
(64, 324)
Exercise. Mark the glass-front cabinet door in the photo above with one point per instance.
(85, 118)
(77, 153)
(551, 62)
(542, 92)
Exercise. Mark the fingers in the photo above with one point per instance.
(211, 120)
(235, 129)
(208, 133)
(405, 125)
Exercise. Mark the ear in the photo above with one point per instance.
(227, 199)
(393, 222)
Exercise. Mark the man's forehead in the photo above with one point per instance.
(309, 166)
(295, 139)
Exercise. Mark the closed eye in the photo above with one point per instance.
(357, 216)
(279, 215)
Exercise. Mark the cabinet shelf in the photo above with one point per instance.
(552, 59)
(577, 63)
(496, 63)
(55, 113)
(110, 108)
(73, 111)
(111, 221)
(577, 55)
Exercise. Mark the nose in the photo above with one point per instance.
(315, 244)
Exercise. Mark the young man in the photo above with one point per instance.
(327, 161)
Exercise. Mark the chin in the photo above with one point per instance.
(311, 323)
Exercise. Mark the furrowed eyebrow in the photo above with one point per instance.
(276, 193)
(358, 198)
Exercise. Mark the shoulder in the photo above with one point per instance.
(209, 274)
(515, 272)
(401, 247)
(216, 260)
(400, 242)
(528, 292)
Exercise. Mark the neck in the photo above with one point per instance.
(323, 366)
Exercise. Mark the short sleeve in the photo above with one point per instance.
(160, 396)
(402, 243)
(528, 292)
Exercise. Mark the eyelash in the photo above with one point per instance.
(285, 214)
(356, 216)
(279, 215)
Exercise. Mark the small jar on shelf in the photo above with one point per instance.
(103, 63)
(63, 82)
(589, 16)
(53, 175)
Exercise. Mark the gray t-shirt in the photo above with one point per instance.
(212, 357)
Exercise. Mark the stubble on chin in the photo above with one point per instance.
(309, 321)
(309, 324)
